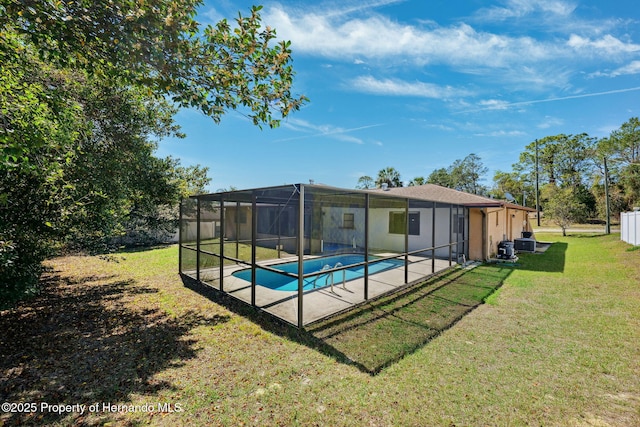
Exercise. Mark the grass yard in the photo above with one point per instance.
(551, 341)
(385, 330)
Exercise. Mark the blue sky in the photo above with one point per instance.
(417, 84)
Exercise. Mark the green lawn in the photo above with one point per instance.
(387, 329)
(555, 344)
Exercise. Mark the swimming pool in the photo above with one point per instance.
(281, 282)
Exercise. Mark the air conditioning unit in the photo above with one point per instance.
(525, 245)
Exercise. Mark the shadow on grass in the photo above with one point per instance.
(386, 330)
(80, 342)
(383, 331)
(551, 261)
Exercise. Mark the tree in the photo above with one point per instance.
(564, 160)
(389, 176)
(419, 180)
(192, 179)
(623, 145)
(514, 184)
(158, 45)
(622, 149)
(365, 182)
(563, 207)
(85, 173)
(440, 177)
(467, 173)
(85, 87)
(463, 175)
(617, 199)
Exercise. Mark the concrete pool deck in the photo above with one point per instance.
(322, 302)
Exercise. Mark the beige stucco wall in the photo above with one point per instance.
(502, 223)
(517, 223)
(475, 234)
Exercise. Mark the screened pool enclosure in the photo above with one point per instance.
(305, 252)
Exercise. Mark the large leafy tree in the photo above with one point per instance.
(565, 162)
(622, 149)
(158, 44)
(79, 168)
(442, 177)
(467, 174)
(515, 184)
(85, 89)
(463, 174)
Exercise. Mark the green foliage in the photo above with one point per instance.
(564, 206)
(389, 176)
(515, 184)
(78, 168)
(159, 46)
(630, 182)
(563, 160)
(463, 175)
(365, 182)
(85, 87)
(419, 180)
(623, 144)
(622, 149)
(440, 177)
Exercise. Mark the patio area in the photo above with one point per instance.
(326, 300)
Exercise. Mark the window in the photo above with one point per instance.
(398, 225)
(348, 221)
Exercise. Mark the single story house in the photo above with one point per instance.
(490, 221)
(282, 249)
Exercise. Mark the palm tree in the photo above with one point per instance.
(390, 176)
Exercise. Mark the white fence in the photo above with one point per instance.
(630, 227)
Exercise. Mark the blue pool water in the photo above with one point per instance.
(280, 282)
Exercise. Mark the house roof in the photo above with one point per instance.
(441, 194)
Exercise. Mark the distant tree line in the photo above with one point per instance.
(570, 173)
(464, 175)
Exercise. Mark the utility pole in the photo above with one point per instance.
(537, 188)
(607, 227)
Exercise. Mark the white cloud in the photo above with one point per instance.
(607, 45)
(549, 122)
(378, 37)
(313, 131)
(396, 87)
(500, 105)
(539, 62)
(494, 104)
(551, 16)
(346, 8)
(631, 68)
(502, 133)
(212, 16)
(521, 8)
